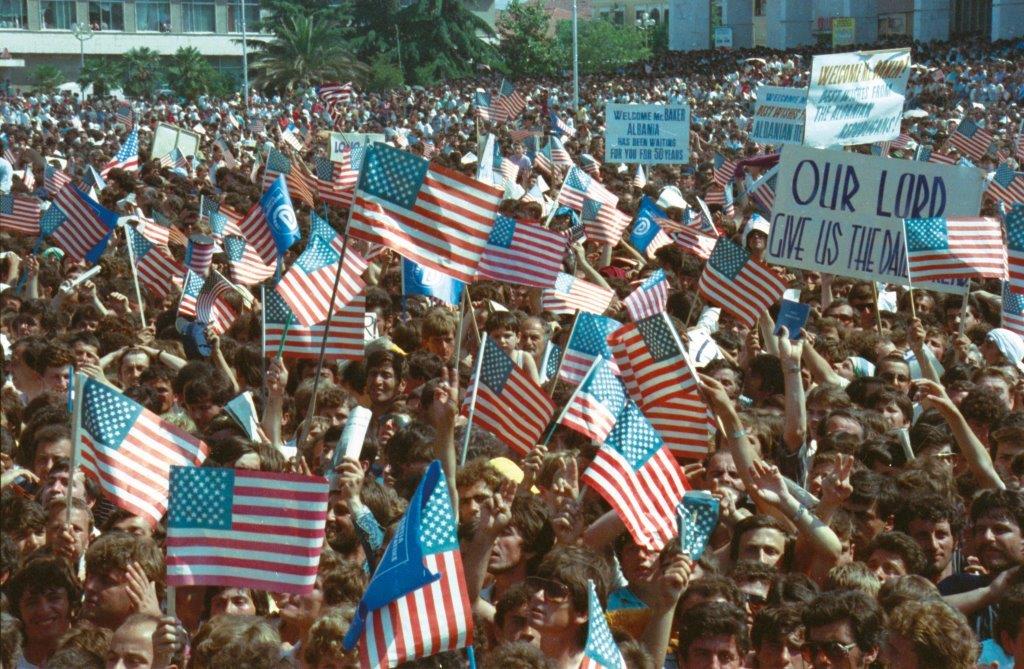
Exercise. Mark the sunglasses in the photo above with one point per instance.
(835, 651)
(553, 591)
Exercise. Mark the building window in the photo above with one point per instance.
(153, 16)
(107, 15)
(759, 7)
(197, 16)
(13, 14)
(57, 14)
(618, 16)
(252, 15)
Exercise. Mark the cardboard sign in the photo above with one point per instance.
(168, 136)
(647, 134)
(779, 115)
(842, 212)
(343, 140)
(856, 98)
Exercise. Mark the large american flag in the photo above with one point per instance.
(578, 186)
(129, 450)
(649, 298)
(429, 214)
(971, 139)
(307, 286)
(523, 253)
(157, 271)
(509, 404)
(596, 402)
(600, 650)
(636, 474)
(300, 184)
(212, 306)
(1015, 247)
(346, 335)
(738, 283)
(941, 248)
(570, 294)
(127, 157)
(1007, 185)
(409, 612)
(54, 179)
(603, 222)
(245, 528)
(86, 224)
(588, 340)
(245, 265)
(1012, 310)
(19, 214)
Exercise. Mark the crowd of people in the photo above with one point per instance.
(868, 474)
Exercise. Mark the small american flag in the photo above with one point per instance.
(346, 335)
(307, 285)
(738, 283)
(543, 161)
(334, 181)
(129, 450)
(1014, 221)
(1012, 310)
(335, 95)
(87, 226)
(509, 404)
(636, 474)
(596, 402)
(590, 165)
(511, 99)
(125, 115)
(486, 107)
(19, 214)
(199, 253)
(600, 650)
(724, 170)
(54, 179)
(244, 528)
(558, 154)
(157, 271)
(603, 222)
(429, 214)
(578, 186)
(271, 218)
(639, 179)
(192, 285)
(522, 253)
(587, 342)
(159, 231)
(649, 298)
(692, 242)
(212, 306)
(1007, 185)
(127, 157)
(762, 191)
(570, 294)
(941, 248)
(971, 139)
(300, 184)
(224, 222)
(1018, 144)
(174, 160)
(560, 127)
(244, 264)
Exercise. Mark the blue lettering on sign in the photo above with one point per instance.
(826, 251)
(833, 186)
(915, 196)
(786, 238)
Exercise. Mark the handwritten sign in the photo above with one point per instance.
(842, 212)
(856, 98)
(343, 140)
(779, 115)
(647, 134)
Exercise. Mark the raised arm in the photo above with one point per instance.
(795, 430)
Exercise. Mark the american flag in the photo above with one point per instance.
(636, 474)
(942, 248)
(596, 402)
(971, 139)
(558, 154)
(1014, 221)
(487, 107)
(883, 148)
(307, 285)
(271, 218)
(19, 214)
(603, 222)
(600, 650)
(416, 604)
(245, 528)
(578, 186)
(511, 99)
(158, 233)
(192, 285)
(199, 253)
(300, 184)
(570, 294)
(212, 306)
(509, 404)
(590, 165)
(224, 222)
(543, 161)
(334, 181)
(127, 157)
(208, 206)
(738, 283)
(762, 191)
(346, 335)
(692, 242)
(649, 298)
(560, 127)
(129, 450)
(335, 94)
(1018, 144)
(28, 178)
(429, 214)
(174, 159)
(158, 271)
(54, 179)
(1007, 185)
(125, 114)
(244, 264)
(87, 226)
(509, 170)
(587, 342)
(1012, 310)
(724, 170)
(522, 253)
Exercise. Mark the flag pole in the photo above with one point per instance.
(77, 384)
(135, 278)
(963, 308)
(472, 400)
(463, 301)
(910, 283)
(263, 345)
(878, 313)
(554, 379)
(554, 207)
(472, 311)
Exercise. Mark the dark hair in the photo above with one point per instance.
(1009, 502)
(792, 588)
(1009, 612)
(531, 518)
(713, 586)
(902, 545)
(758, 521)
(424, 365)
(20, 514)
(744, 571)
(573, 566)
(863, 614)
(501, 319)
(41, 574)
(712, 619)
(928, 506)
(870, 487)
(769, 368)
(383, 357)
(47, 434)
(982, 405)
(513, 598)
(774, 623)
(412, 443)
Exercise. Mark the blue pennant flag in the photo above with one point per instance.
(420, 280)
(646, 227)
(277, 207)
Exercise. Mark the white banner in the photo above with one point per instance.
(856, 98)
(779, 115)
(841, 212)
(647, 134)
(342, 140)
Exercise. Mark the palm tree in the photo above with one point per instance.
(47, 78)
(141, 71)
(307, 49)
(102, 73)
(190, 74)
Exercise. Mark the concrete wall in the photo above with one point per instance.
(1007, 19)
(788, 24)
(931, 20)
(739, 15)
(689, 25)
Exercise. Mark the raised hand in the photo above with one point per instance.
(277, 377)
(141, 590)
(532, 464)
(836, 487)
(445, 405)
(673, 578)
(350, 478)
(933, 396)
(768, 484)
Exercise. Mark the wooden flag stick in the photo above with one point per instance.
(135, 278)
(878, 313)
(565, 409)
(459, 331)
(963, 308)
(77, 384)
(472, 400)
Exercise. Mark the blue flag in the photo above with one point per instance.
(420, 280)
(646, 227)
(277, 207)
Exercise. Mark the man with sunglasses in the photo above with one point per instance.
(844, 630)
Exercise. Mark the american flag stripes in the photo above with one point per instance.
(1007, 185)
(244, 264)
(157, 271)
(762, 191)
(87, 226)
(587, 342)
(522, 253)
(600, 650)
(942, 248)
(511, 99)
(501, 108)
(570, 294)
(19, 214)
(1014, 221)
(129, 450)
(300, 184)
(738, 283)
(596, 402)
(603, 222)
(636, 474)
(199, 253)
(1012, 310)
(54, 179)
(579, 186)
(192, 285)
(649, 298)
(724, 170)
(335, 181)
(335, 95)
(244, 528)
(212, 306)
(509, 404)
(307, 285)
(407, 612)
(125, 114)
(174, 160)
(1018, 144)
(158, 233)
(271, 226)
(346, 335)
(971, 139)
(558, 154)
(590, 165)
(692, 242)
(127, 157)
(429, 214)
(560, 127)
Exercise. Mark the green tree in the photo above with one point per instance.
(102, 73)
(307, 49)
(141, 71)
(384, 74)
(603, 46)
(526, 47)
(190, 74)
(47, 78)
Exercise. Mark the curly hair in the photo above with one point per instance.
(323, 642)
(940, 635)
(236, 641)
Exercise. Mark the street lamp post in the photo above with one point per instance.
(82, 32)
(645, 23)
(575, 58)
(245, 61)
